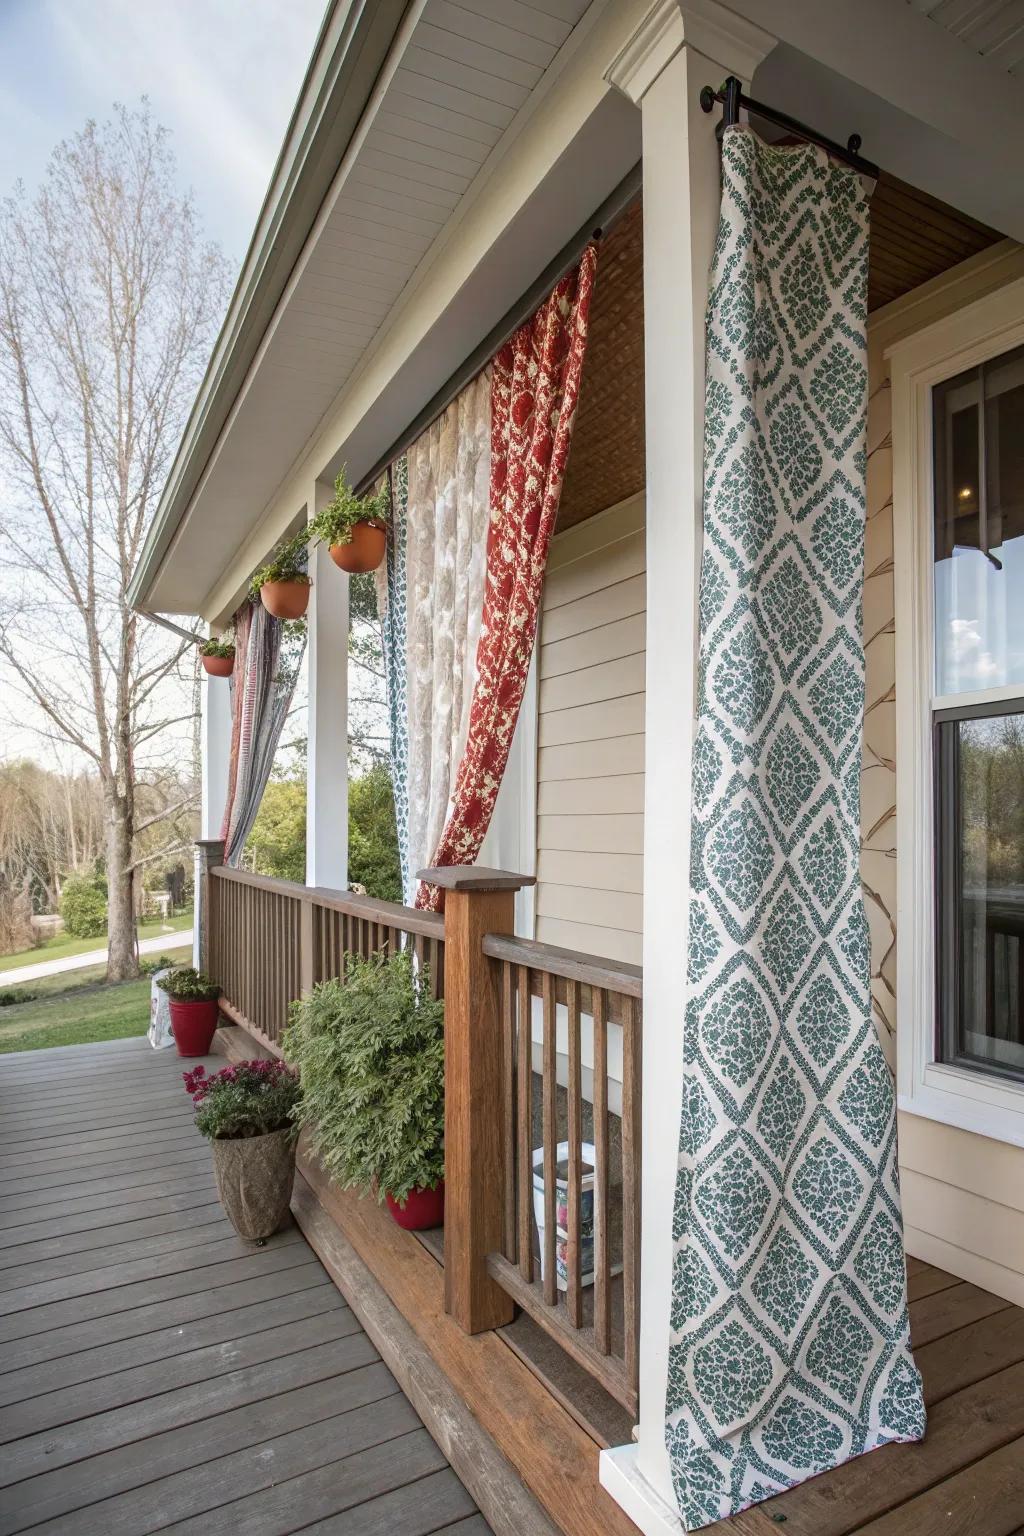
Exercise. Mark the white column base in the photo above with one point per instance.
(620, 1476)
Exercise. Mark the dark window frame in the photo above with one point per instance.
(947, 865)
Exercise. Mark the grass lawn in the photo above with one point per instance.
(76, 1009)
(59, 947)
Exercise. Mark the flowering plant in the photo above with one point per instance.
(251, 1098)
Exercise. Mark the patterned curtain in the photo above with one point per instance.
(390, 581)
(447, 511)
(534, 392)
(790, 1345)
(268, 654)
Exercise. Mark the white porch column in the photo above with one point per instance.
(327, 746)
(681, 46)
(215, 751)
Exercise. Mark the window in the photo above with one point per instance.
(978, 713)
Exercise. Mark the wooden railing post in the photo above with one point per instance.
(477, 902)
(209, 854)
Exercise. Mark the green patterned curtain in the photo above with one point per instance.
(790, 1346)
(391, 600)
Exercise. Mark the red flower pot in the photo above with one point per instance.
(423, 1208)
(218, 666)
(285, 599)
(364, 552)
(194, 1026)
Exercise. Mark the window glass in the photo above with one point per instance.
(981, 774)
(978, 435)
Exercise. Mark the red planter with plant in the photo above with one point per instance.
(369, 1048)
(194, 1012)
(423, 1209)
(354, 528)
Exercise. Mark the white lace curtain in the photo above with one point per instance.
(449, 469)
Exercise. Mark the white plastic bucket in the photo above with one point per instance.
(588, 1155)
(160, 1035)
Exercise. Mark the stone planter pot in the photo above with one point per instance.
(254, 1180)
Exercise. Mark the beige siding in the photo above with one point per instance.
(963, 1195)
(590, 762)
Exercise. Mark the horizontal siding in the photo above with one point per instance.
(590, 765)
(607, 943)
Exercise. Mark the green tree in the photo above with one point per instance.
(277, 843)
(372, 835)
(83, 906)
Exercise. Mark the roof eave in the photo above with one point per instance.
(352, 45)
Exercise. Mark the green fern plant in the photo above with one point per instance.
(370, 1054)
(335, 522)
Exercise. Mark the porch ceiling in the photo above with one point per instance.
(451, 87)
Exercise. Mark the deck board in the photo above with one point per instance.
(156, 1372)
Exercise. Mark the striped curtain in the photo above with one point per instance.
(268, 655)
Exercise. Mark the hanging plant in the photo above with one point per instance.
(282, 584)
(218, 657)
(354, 528)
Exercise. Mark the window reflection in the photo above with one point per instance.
(978, 432)
(984, 991)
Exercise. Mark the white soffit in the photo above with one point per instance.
(467, 70)
(992, 28)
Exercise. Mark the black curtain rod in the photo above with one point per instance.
(732, 98)
(627, 191)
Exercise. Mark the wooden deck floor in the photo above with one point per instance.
(157, 1373)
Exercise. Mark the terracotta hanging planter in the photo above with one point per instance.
(218, 666)
(285, 599)
(364, 551)
(254, 1180)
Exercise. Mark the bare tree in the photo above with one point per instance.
(109, 299)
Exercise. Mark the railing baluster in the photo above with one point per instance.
(550, 1135)
(631, 1186)
(602, 1308)
(574, 1285)
(524, 1116)
(508, 1106)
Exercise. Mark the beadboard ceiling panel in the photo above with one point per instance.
(468, 68)
(992, 28)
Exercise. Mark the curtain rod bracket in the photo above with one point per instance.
(732, 99)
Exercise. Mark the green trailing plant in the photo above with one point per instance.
(186, 985)
(334, 523)
(370, 1054)
(213, 647)
(251, 1098)
(287, 563)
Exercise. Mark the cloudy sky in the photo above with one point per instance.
(223, 75)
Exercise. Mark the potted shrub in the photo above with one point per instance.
(194, 1012)
(370, 1054)
(282, 584)
(246, 1112)
(217, 657)
(354, 528)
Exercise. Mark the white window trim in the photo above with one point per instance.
(989, 1106)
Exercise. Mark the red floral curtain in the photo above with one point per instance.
(535, 387)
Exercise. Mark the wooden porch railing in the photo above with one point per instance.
(517, 1077)
(596, 1322)
(271, 940)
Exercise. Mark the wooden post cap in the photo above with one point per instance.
(470, 877)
